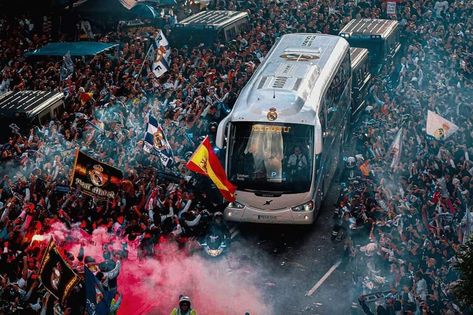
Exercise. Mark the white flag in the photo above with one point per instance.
(160, 54)
(129, 4)
(395, 149)
(156, 142)
(439, 127)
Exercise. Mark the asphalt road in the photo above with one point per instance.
(293, 259)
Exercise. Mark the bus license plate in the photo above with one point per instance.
(266, 217)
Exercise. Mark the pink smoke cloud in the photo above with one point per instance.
(152, 286)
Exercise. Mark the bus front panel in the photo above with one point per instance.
(272, 167)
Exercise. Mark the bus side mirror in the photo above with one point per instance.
(221, 131)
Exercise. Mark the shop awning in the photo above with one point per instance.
(74, 48)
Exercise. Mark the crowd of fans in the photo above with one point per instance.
(414, 212)
(414, 204)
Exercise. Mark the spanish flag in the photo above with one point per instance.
(204, 161)
(85, 97)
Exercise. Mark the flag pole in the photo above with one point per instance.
(143, 64)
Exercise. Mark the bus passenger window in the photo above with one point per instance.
(322, 116)
(55, 113)
(239, 27)
(221, 36)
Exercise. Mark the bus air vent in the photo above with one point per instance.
(297, 84)
(279, 82)
(262, 82)
(308, 41)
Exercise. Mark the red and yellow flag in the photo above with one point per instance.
(205, 161)
(85, 97)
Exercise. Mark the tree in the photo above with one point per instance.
(463, 290)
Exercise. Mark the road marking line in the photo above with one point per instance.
(233, 228)
(322, 280)
(234, 234)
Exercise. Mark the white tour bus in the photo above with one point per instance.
(284, 135)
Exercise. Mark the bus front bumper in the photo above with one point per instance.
(282, 216)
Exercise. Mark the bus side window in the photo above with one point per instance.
(230, 33)
(221, 36)
(42, 118)
(239, 27)
(388, 42)
(329, 104)
(56, 112)
(322, 115)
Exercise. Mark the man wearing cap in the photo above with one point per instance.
(184, 307)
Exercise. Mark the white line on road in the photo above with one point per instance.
(233, 229)
(235, 233)
(322, 280)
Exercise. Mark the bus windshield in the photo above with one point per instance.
(269, 157)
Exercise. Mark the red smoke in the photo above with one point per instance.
(153, 286)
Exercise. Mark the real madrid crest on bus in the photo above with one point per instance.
(272, 114)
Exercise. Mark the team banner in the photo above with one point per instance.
(156, 141)
(205, 161)
(95, 178)
(56, 275)
(439, 127)
(160, 53)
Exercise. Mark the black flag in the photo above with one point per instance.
(56, 275)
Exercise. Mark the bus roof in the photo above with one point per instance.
(292, 79)
(30, 103)
(357, 55)
(369, 27)
(212, 19)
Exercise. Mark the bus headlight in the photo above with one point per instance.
(308, 206)
(235, 205)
